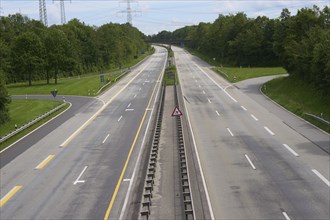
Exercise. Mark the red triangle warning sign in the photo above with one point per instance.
(176, 112)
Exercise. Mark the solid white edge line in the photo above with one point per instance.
(105, 139)
(78, 179)
(217, 112)
(269, 131)
(321, 177)
(254, 117)
(140, 151)
(232, 98)
(291, 150)
(231, 133)
(120, 118)
(252, 165)
(286, 216)
(243, 108)
(36, 128)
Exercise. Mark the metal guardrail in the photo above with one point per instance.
(318, 118)
(185, 183)
(30, 123)
(149, 179)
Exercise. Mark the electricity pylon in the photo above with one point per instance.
(43, 12)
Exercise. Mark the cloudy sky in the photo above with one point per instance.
(152, 16)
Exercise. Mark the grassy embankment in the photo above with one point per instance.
(300, 98)
(170, 75)
(22, 111)
(84, 85)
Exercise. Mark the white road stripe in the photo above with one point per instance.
(129, 105)
(321, 177)
(269, 131)
(105, 139)
(204, 92)
(209, 100)
(286, 216)
(135, 96)
(254, 117)
(217, 112)
(129, 109)
(140, 89)
(78, 179)
(120, 118)
(243, 108)
(199, 86)
(143, 84)
(230, 132)
(126, 180)
(252, 165)
(290, 149)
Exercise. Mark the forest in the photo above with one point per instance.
(31, 51)
(300, 43)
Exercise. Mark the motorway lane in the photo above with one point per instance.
(80, 179)
(246, 152)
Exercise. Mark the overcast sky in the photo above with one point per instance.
(153, 16)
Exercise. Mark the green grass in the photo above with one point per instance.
(22, 111)
(173, 76)
(300, 98)
(86, 85)
(233, 74)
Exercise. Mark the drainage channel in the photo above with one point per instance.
(167, 191)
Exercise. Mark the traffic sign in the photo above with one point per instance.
(176, 112)
(54, 93)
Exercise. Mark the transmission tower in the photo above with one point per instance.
(63, 19)
(129, 11)
(43, 12)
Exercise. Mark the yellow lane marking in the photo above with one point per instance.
(10, 194)
(107, 214)
(44, 162)
(67, 141)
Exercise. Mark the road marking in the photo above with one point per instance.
(254, 117)
(129, 105)
(243, 108)
(78, 179)
(321, 177)
(129, 109)
(44, 162)
(140, 89)
(10, 194)
(204, 92)
(139, 155)
(269, 131)
(290, 149)
(147, 81)
(209, 100)
(199, 86)
(135, 96)
(120, 118)
(143, 84)
(67, 141)
(114, 195)
(230, 132)
(286, 216)
(105, 139)
(126, 180)
(195, 80)
(217, 112)
(232, 98)
(252, 165)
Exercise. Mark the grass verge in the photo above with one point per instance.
(170, 75)
(235, 74)
(300, 98)
(32, 109)
(84, 85)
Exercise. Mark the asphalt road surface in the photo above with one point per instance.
(82, 168)
(256, 161)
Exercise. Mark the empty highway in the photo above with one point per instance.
(82, 169)
(254, 164)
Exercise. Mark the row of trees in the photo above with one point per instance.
(300, 43)
(31, 51)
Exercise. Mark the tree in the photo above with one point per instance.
(27, 55)
(4, 100)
